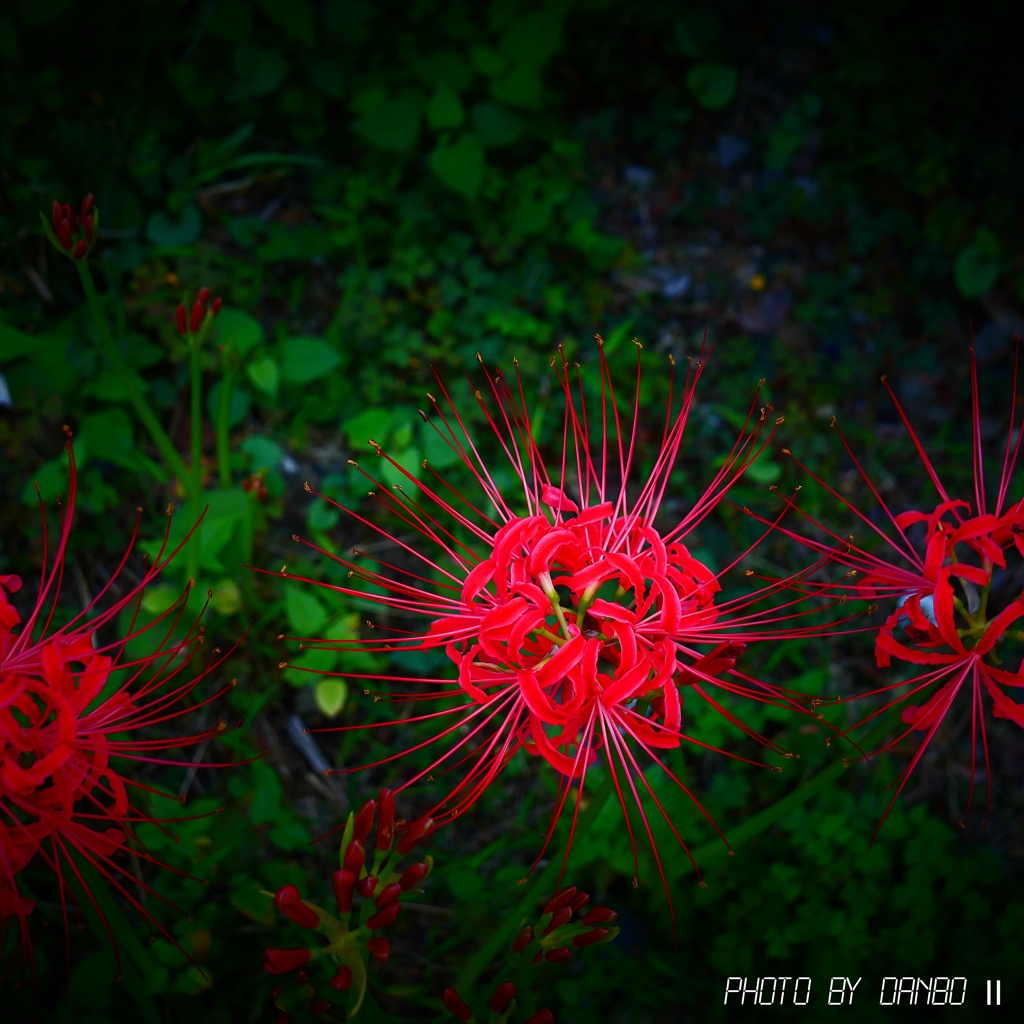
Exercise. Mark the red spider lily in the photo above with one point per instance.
(573, 620)
(74, 709)
(73, 233)
(963, 545)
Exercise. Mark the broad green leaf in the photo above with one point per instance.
(393, 126)
(976, 268)
(373, 423)
(14, 343)
(305, 668)
(294, 16)
(265, 454)
(260, 71)
(239, 409)
(487, 61)
(532, 40)
(227, 598)
(265, 374)
(460, 165)
(330, 696)
(445, 66)
(163, 230)
(109, 435)
(445, 110)
(521, 87)
(763, 471)
(713, 85)
(306, 614)
(306, 359)
(495, 125)
(238, 328)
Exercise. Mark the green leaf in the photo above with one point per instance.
(695, 31)
(14, 343)
(306, 359)
(520, 88)
(265, 374)
(976, 268)
(487, 61)
(304, 670)
(240, 402)
(227, 598)
(495, 125)
(306, 614)
(109, 435)
(393, 126)
(265, 454)
(532, 40)
(713, 85)
(162, 230)
(326, 75)
(260, 71)
(238, 328)
(372, 423)
(460, 165)
(294, 16)
(763, 471)
(330, 696)
(445, 109)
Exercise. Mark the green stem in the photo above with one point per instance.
(174, 461)
(192, 561)
(224, 429)
(545, 880)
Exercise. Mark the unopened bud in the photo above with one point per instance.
(355, 855)
(559, 918)
(181, 318)
(455, 1006)
(289, 902)
(578, 902)
(419, 830)
(87, 204)
(196, 318)
(599, 915)
(385, 918)
(412, 876)
(64, 234)
(557, 956)
(560, 899)
(342, 980)
(380, 950)
(216, 305)
(595, 935)
(544, 1016)
(203, 296)
(280, 961)
(365, 886)
(523, 939)
(502, 996)
(80, 249)
(344, 882)
(320, 1006)
(363, 821)
(388, 895)
(385, 819)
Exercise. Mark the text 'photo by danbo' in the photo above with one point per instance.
(511, 512)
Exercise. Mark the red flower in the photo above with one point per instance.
(963, 547)
(572, 619)
(72, 709)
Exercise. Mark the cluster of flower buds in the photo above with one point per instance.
(190, 321)
(555, 935)
(502, 1005)
(256, 485)
(369, 869)
(74, 233)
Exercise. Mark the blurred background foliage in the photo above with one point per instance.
(383, 190)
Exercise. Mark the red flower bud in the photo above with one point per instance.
(380, 950)
(385, 918)
(320, 1006)
(578, 902)
(599, 915)
(544, 1016)
(87, 204)
(182, 318)
(365, 886)
(412, 876)
(203, 296)
(502, 996)
(64, 234)
(523, 939)
(80, 250)
(288, 900)
(196, 318)
(283, 1018)
(419, 830)
(280, 961)
(355, 855)
(58, 215)
(455, 1006)
(344, 882)
(364, 819)
(215, 306)
(559, 918)
(87, 224)
(301, 977)
(590, 938)
(385, 820)
(558, 956)
(69, 212)
(388, 895)
(560, 899)
(342, 980)
(275, 991)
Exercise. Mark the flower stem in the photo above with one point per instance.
(174, 461)
(196, 488)
(224, 428)
(545, 880)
